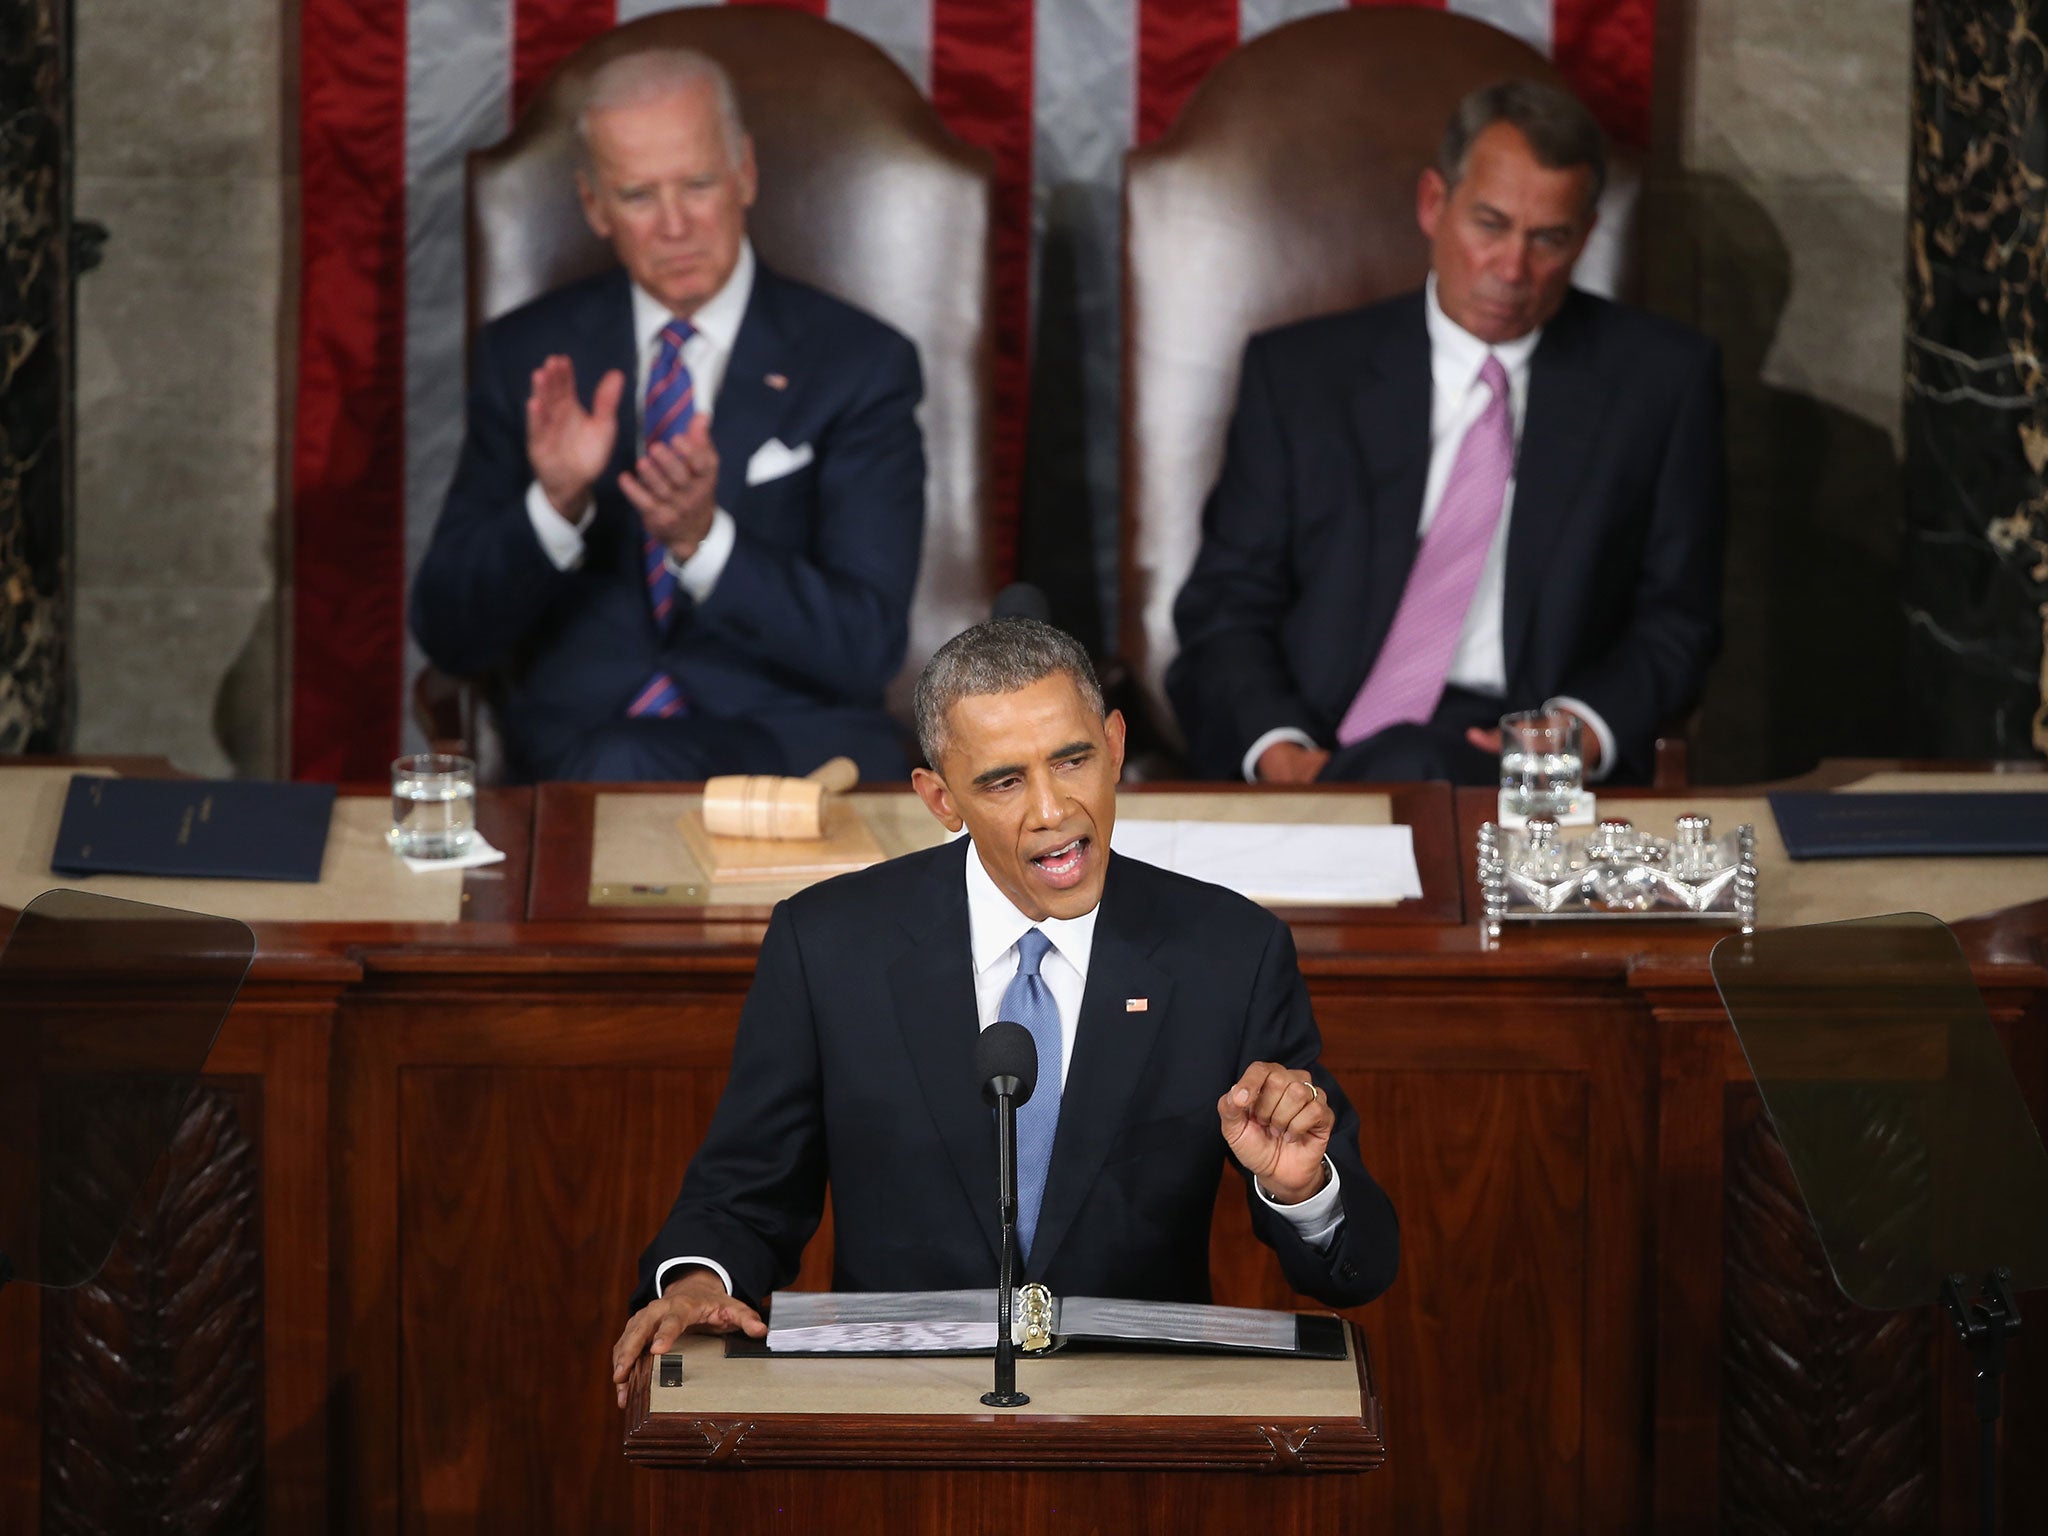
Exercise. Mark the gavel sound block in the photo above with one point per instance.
(765, 806)
(760, 827)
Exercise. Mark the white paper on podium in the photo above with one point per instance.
(928, 1322)
(881, 1322)
(1296, 863)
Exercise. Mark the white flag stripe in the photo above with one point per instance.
(458, 97)
(900, 28)
(1084, 110)
(1601, 267)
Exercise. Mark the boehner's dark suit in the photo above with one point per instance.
(1613, 591)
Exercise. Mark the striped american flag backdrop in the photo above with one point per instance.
(393, 94)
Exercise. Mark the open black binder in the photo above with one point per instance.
(1074, 1322)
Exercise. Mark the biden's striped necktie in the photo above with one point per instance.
(671, 407)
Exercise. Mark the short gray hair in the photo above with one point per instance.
(1562, 134)
(999, 656)
(650, 74)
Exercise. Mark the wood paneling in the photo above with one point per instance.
(1693, 1066)
(1490, 1171)
(21, 1407)
(541, 1137)
(270, 1171)
(510, 1123)
(526, 1197)
(889, 1503)
(2024, 1022)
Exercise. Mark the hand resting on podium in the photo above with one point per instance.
(696, 1300)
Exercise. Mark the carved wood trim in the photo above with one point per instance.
(1829, 1413)
(974, 1441)
(152, 1372)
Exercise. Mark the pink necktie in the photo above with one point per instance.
(1408, 678)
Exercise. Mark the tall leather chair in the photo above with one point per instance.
(863, 193)
(1285, 189)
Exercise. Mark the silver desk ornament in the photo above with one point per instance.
(1616, 870)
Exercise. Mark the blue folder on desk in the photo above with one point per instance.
(222, 829)
(1911, 825)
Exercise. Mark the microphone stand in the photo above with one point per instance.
(1984, 1324)
(1006, 1394)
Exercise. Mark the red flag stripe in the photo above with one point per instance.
(981, 85)
(1177, 47)
(348, 459)
(1604, 49)
(545, 32)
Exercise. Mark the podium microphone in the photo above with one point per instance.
(1006, 1063)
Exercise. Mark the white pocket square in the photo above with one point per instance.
(774, 459)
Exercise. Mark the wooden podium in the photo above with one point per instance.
(1110, 1442)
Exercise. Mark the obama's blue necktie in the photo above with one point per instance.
(1029, 1001)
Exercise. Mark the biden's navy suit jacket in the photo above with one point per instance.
(808, 623)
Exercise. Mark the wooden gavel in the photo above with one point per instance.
(764, 805)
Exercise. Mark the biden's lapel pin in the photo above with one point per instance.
(1137, 1004)
(777, 381)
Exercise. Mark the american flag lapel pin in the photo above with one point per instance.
(1137, 1004)
(777, 381)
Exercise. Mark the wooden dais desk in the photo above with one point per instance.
(444, 1144)
(1125, 1442)
(592, 862)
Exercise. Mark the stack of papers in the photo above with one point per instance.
(955, 1322)
(882, 1322)
(1301, 865)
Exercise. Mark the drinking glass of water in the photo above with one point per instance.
(1541, 769)
(433, 805)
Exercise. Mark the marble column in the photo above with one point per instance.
(34, 379)
(1976, 555)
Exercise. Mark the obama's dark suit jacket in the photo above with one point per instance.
(854, 1067)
